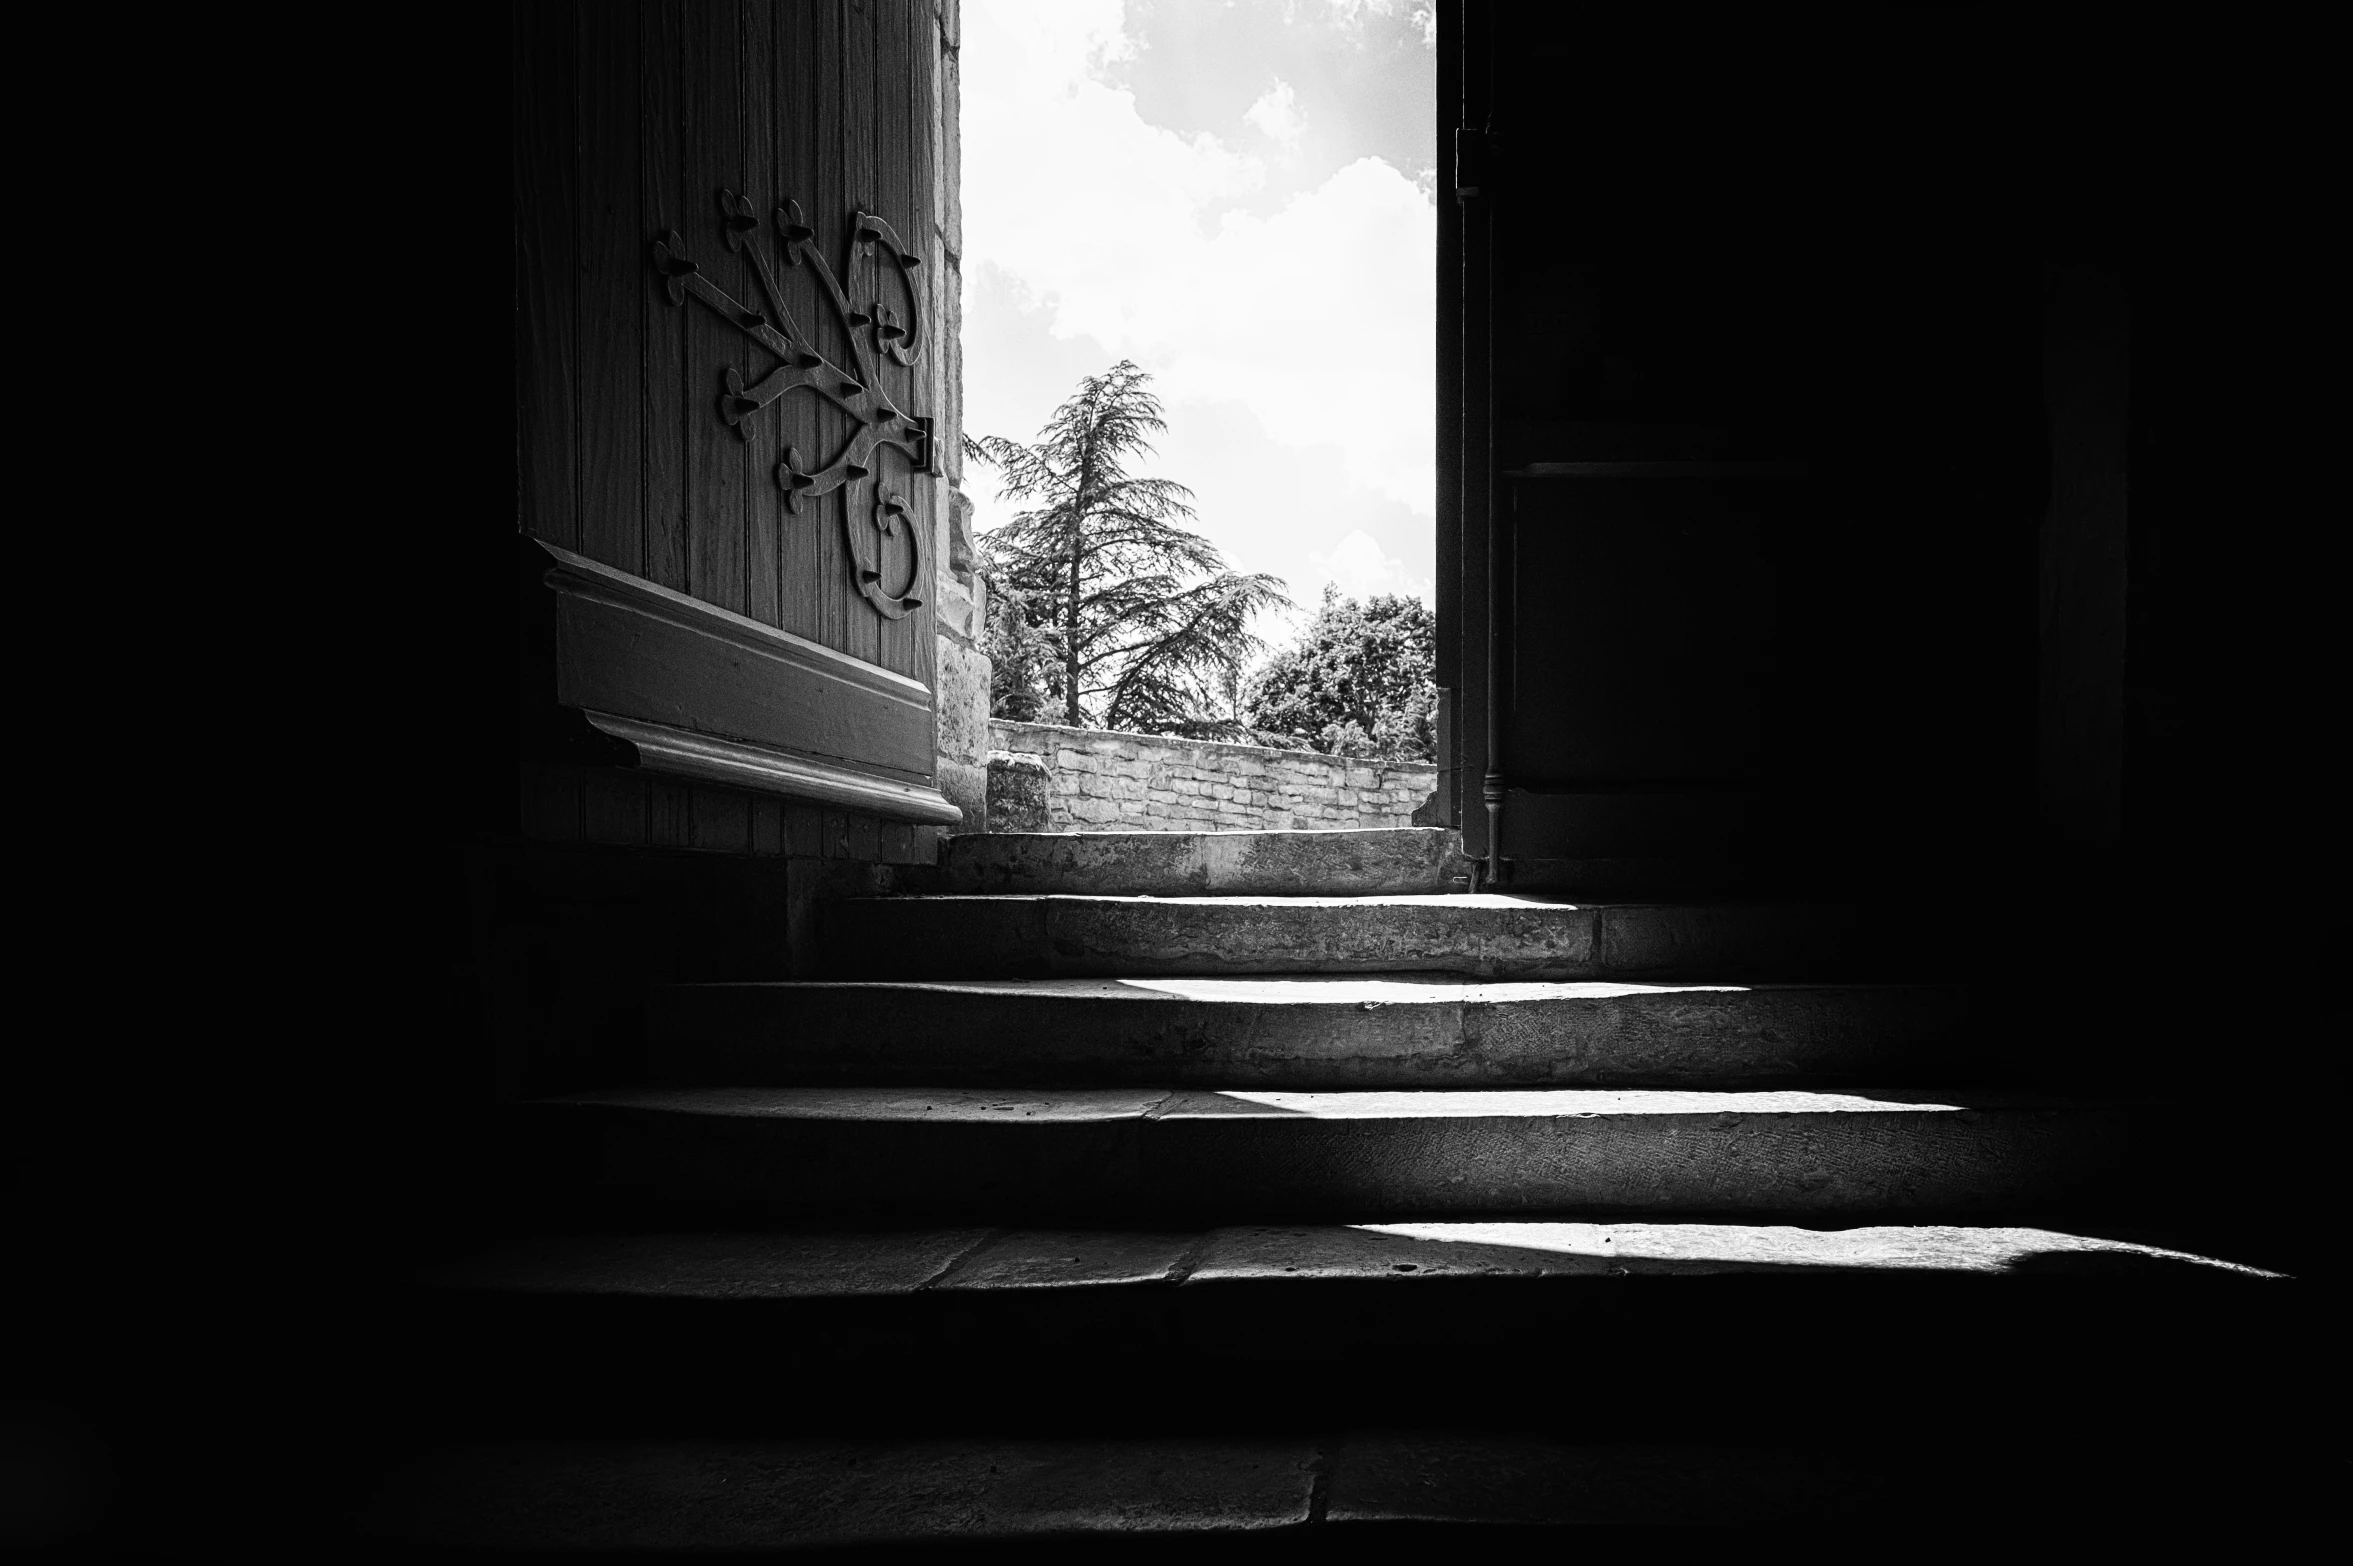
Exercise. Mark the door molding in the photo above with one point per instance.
(707, 693)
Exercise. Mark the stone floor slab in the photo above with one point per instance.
(1441, 1476)
(1259, 1155)
(1346, 863)
(773, 1265)
(1497, 936)
(788, 1265)
(1336, 1031)
(723, 1495)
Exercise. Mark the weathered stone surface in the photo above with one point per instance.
(1397, 1031)
(1456, 1476)
(966, 786)
(881, 1105)
(794, 1266)
(1308, 1252)
(1263, 1155)
(1016, 795)
(1725, 940)
(1489, 935)
(1071, 1258)
(1171, 784)
(1159, 864)
(1625, 878)
(1690, 1250)
(961, 695)
(717, 1266)
(711, 1495)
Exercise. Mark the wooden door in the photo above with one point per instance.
(730, 397)
(1745, 463)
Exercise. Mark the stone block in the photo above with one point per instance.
(963, 700)
(966, 785)
(1018, 795)
(959, 609)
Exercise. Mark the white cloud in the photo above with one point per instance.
(1276, 115)
(1360, 568)
(1315, 316)
(1424, 13)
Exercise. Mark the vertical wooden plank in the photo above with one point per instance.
(664, 400)
(860, 626)
(669, 814)
(2087, 331)
(922, 62)
(551, 803)
(767, 825)
(801, 555)
(804, 831)
(763, 504)
(613, 807)
(546, 90)
(612, 278)
(862, 837)
(920, 65)
(722, 819)
(711, 139)
(895, 196)
(1449, 597)
(827, 207)
(1478, 724)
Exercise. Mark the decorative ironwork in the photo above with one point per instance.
(876, 331)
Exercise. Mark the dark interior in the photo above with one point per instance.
(1880, 460)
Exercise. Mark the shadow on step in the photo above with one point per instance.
(1282, 1495)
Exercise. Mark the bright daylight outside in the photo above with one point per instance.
(1198, 382)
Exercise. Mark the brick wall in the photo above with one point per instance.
(1099, 782)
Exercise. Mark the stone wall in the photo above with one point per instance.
(961, 672)
(1045, 778)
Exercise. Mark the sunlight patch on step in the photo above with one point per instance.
(1933, 1247)
(1408, 990)
(1450, 901)
(1536, 1103)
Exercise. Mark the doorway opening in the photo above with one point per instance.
(1199, 407)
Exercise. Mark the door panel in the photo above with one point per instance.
(1644, 616)
(729, 300)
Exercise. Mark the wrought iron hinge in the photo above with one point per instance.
(1474, 157)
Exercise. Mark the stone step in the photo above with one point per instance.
(1505, 936)
(1400, 1031)
(1622, 1328)
(1385, 861)
(1334, 1494)
(788, 1265)
(675, 1495)
(851, 1155)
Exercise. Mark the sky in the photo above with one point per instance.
(1235, 194)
